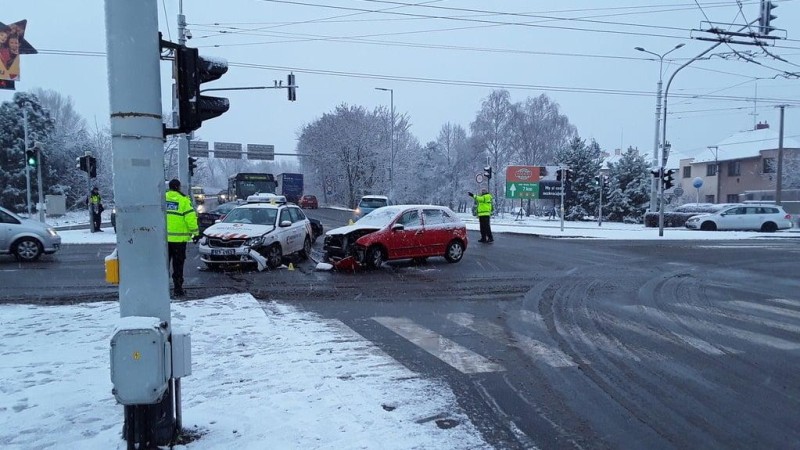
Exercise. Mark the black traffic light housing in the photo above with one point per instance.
(88, 164)
(563, 174)
(766, 16)
(668, 179)
(192, 165)
(31, 158)
(291, 87)
(487, 172)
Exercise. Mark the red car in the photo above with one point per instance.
(397, 232)
(308, 201)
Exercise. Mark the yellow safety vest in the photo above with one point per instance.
(484, 204)
(181, 218)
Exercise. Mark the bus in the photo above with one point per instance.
(243, 185)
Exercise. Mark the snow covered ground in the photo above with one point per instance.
(282, 378)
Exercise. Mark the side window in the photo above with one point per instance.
(297, 215)
(285, 215)
(7, 218)
(410, 219)
(432, 217)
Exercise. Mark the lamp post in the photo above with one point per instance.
(391, 141)
(654, 184)
(715, 149)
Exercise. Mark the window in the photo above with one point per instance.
(410, 219)
(769, 165)
(297, 215)
(732, 198)
(709, 199)
(711, 170)
(734, 169)
(687, 171)
(285, 216)
(7, 218)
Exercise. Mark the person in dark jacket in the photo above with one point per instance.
(483, 206)
(96, 208)
(181, 228)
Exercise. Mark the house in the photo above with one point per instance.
(741, 167)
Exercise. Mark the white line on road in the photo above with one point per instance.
(766, 308)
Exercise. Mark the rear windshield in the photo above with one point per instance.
(373, 202)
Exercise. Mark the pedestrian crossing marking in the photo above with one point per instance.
(533, 348)
(455, 355)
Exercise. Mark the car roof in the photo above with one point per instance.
(375, 197)
(266, 198)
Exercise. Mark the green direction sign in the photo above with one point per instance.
(522, 189)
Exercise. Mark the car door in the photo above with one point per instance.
(437, 231)
(286, 235)
(407, 243)
(300, 225)
(733, 219)
(6, 230)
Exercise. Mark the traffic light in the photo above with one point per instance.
(657, 173)
(193, 70)
(192, 165)
(487, 172)
(31, 157)
(563, 174)
(91, 165)
(292, 88)
(766, 17)
(668, 178)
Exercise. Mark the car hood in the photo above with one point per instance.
(700, 216)
(237, 230)
(350, 228)
(31, 223)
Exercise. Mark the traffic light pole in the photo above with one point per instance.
(24, 156)
(38, 150)
(563, 176)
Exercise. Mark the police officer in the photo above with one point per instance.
(95, 203)
(181, 228)
(483, 204)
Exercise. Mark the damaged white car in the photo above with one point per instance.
(257, 234)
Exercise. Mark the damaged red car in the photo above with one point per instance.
(397, 232)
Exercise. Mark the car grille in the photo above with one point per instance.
(231, 243)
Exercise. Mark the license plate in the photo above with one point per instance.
(223, 251)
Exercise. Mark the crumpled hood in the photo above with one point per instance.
(237, 230)
(350, 228)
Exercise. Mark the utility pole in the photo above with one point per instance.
(183, 139)
(37, 147)
(133, 47)
(779, 181)
(716, 168)
(24, 158)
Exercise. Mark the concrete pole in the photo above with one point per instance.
(40, 205)
(654, 185)
(137, 142)
(183, 139)
(25, 157)
(779, 181)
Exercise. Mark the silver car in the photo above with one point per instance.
(760, 217)
(25, 238)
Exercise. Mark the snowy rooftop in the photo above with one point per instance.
(746, 144)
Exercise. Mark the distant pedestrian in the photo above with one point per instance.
(181, 228)
(483, 207)
(96, 208)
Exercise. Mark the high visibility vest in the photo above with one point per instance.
(181, 218)
(484, 204)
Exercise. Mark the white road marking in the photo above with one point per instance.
(533, 348)
(446, 350)
(766, 308)
(742, 317)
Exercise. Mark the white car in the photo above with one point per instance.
(766, 218)
(25, 238)
(257, 233)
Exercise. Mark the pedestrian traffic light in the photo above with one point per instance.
(766, 16)
(31, 157)
(291, 86)
(193, 70)
(668, 179)
(487, 172)
(192, 165)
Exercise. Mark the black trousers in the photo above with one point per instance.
(177, 256)
(96, 221)
(486, 228)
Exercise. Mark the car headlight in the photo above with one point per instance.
(255, 242)
(203, 240)
(52, 232)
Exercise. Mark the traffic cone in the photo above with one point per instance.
(350, 222)
(291, 266)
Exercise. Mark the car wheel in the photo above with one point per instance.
(305, 253)
(769, 227)
(27, 249)
(274, 256)
(708, 226)
(375, 257)
(454, 251)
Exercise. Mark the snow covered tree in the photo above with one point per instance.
(585, 162)
(629, 187)
(491, 135)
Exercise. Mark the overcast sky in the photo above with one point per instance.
(442, 58)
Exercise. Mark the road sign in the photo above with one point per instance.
(550, 189)
(678, 191)
(260, 151)
(522, 190)
(227, 150)
(198, 148)
(479, 178)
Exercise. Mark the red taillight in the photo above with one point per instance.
(788, 217)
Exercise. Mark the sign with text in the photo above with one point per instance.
(551, 189)
(522, 181)
(227, 150)
(198, 148)
(517, 189)
(260, 151)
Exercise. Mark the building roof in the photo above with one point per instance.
(745, 144)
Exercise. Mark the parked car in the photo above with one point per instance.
(767, 218)
(398, 232)
(308, 201)
(257, 233)
(206, 219)
(369, 203)
(26, 239)
(316, 229)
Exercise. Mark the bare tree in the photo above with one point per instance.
(491, 131)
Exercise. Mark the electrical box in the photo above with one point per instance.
(140, 360)
(181, 353)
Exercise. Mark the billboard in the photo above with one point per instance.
(12, 45)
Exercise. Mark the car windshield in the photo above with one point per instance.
(379, 218)
(373, 202)
(225, 208)
(259, 216)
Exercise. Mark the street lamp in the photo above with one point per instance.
(391, 141)
(654, 184)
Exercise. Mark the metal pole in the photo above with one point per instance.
(89, 190)
(654, 184)
(779, 181)
(600, 216)
(183, 139)
(40, 206)
(563, 175)
(391, 167)
(25, 156)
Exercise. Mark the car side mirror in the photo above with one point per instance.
(398, 227)
(286, 223)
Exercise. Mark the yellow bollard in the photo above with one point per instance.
(112, 268)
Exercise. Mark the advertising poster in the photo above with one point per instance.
(12, 45)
